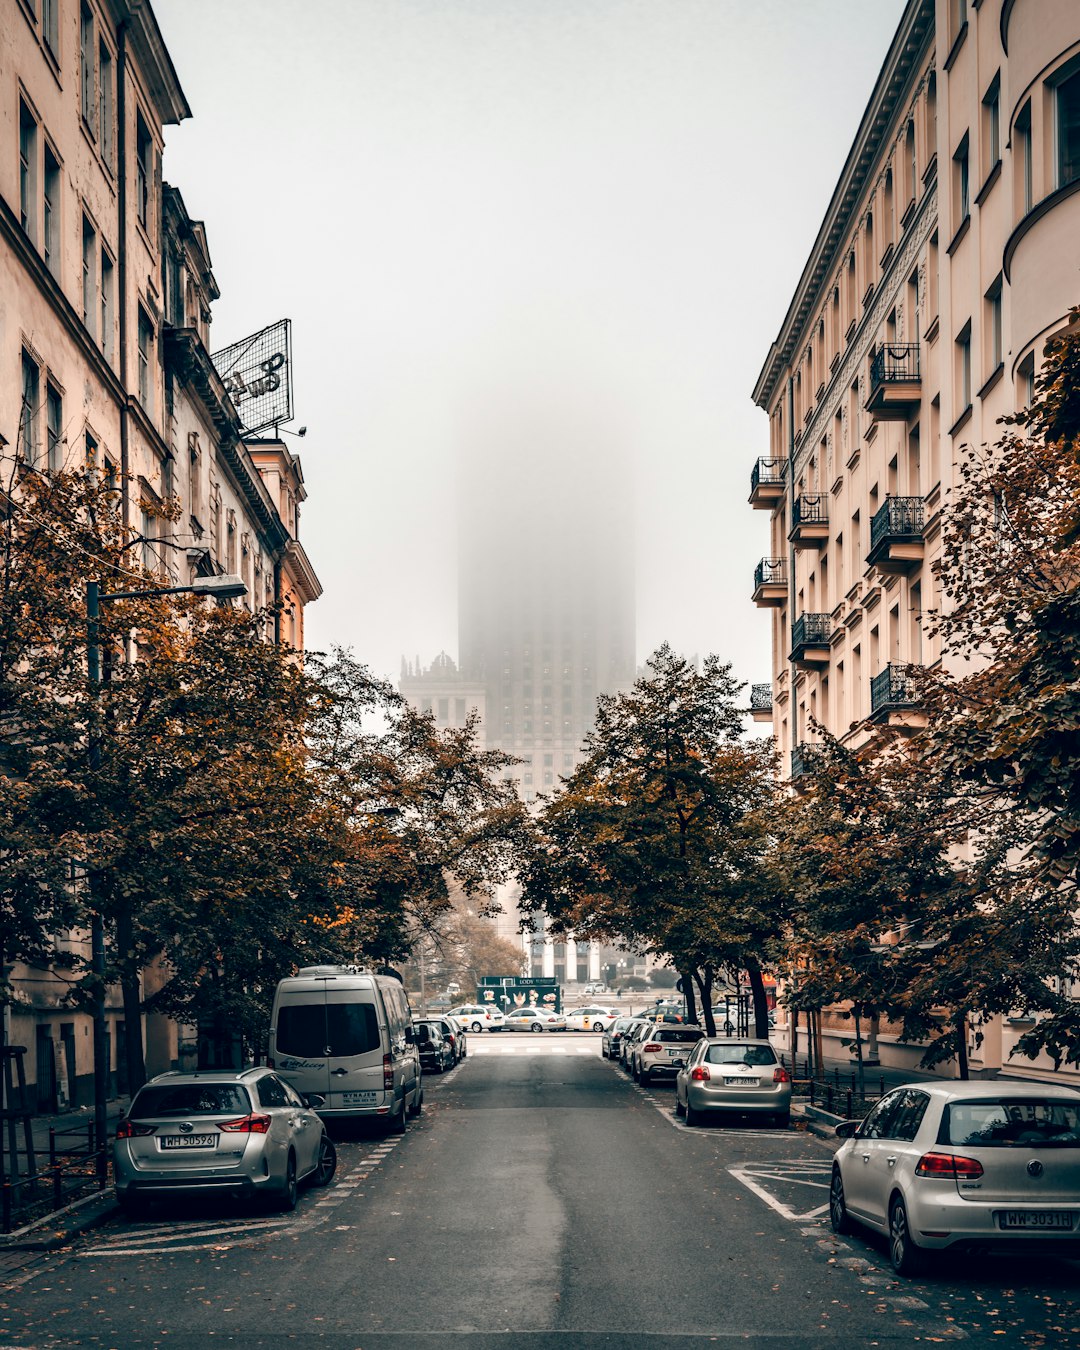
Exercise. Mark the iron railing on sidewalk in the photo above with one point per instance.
(75, 1167)
(838, 1094)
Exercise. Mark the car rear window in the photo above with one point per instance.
(191, 1099)
(684, 1035)
(1005, 1122)
(740, 1054)
(311, 1030)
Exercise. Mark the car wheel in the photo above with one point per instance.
(289, 1190)
(327, 1166)
(693, 1116)
(399, 1123)
(644, 1077)
(598, 1026)
(838, 1215)
(478, 1027)
(131, 1203)
(905, 1256)
(679, 1108)
(536, 1026)
(782, 1120)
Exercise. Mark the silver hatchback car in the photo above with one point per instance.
(733, 1076)
(964, 1166)
(244, 1134)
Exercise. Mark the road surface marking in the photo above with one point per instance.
(752, 1175)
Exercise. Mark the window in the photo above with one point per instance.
(963, 369)
(50, 217)
(1023, 149)
(1025, 381)
(105, 104)
(271, 1092)
(86, 64)
(961, 184)
(54, 426)
(49, 26)
(31, 393)
(148, 530)
(89, 267)
(912, 164)
(230, 541)
(90, 450)
(143, 170)
(992, 125)
(993, 325)
(28, 158)
(146, 347)
(1068, 129)
(107, 303)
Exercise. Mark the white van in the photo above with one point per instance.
(348, 1036)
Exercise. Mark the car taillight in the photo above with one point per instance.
(387, 1073)
(127, 1129)
(781, 1075)
(246, 1125)
(947, 1165)
(701, 1074)
(651, 1049)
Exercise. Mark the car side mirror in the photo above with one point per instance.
(410, 1035)
(847, 1129)
(314, 1100)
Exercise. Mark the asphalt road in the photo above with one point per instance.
(542, 1202)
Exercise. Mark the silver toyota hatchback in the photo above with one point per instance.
(244, 1134)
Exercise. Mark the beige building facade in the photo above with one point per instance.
(950, 251)
(106, 289)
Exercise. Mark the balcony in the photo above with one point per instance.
(809, 520)
(810, 634)
(770, 582)
(895, 386)
(802, 760)
(761, 702)
(896, 535)
(894, 697)
(767, 484)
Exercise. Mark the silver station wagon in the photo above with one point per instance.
(242, 1134)
(967, 1166)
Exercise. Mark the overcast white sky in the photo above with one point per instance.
(464, 202)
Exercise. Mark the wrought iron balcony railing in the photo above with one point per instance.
(770, 572)
(811, 630)
(810, 508)
(898, 518)
(895, 363)
(761, 698)
(802, 759)
(767, 473)
(894, 689)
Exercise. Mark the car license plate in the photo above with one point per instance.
(740, 1082)
(188, 1140)
(1035, 1219)
(676, 1057)
(359, 1098)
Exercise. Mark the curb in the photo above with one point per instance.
(57, 1229)
(820, 1123)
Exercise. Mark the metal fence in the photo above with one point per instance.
(75, 1167)
(840, 1094)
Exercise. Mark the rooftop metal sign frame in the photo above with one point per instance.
(257, 373)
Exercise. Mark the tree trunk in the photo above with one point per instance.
(872, 1055)
(961, 1044)
(688, 977)
(131, 990)
(761, 1003)
(709, 975)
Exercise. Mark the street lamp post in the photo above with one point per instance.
(225, 587)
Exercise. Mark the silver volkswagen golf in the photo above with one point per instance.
(244, 1134)
(963, 1166)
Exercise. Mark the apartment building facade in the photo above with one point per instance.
(106, 289)
(949, 253)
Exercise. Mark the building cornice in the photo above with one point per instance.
(302, 575)
(913, 38)
(153, 59)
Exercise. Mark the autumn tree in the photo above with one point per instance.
(658, 837)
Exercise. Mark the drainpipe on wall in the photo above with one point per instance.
(277, 602)
(791, 552)
(121, 198)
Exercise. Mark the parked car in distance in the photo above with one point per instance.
(592, 1018)
(641, 1026)
(451, 1029)
(963, 1166)
(663, 1052)
(609, 1041)
(479, 1017)
(725, 1075)
(238, 1134)
(600, 988)
(436, 1048)
(461, 1040)
(534, 1019)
